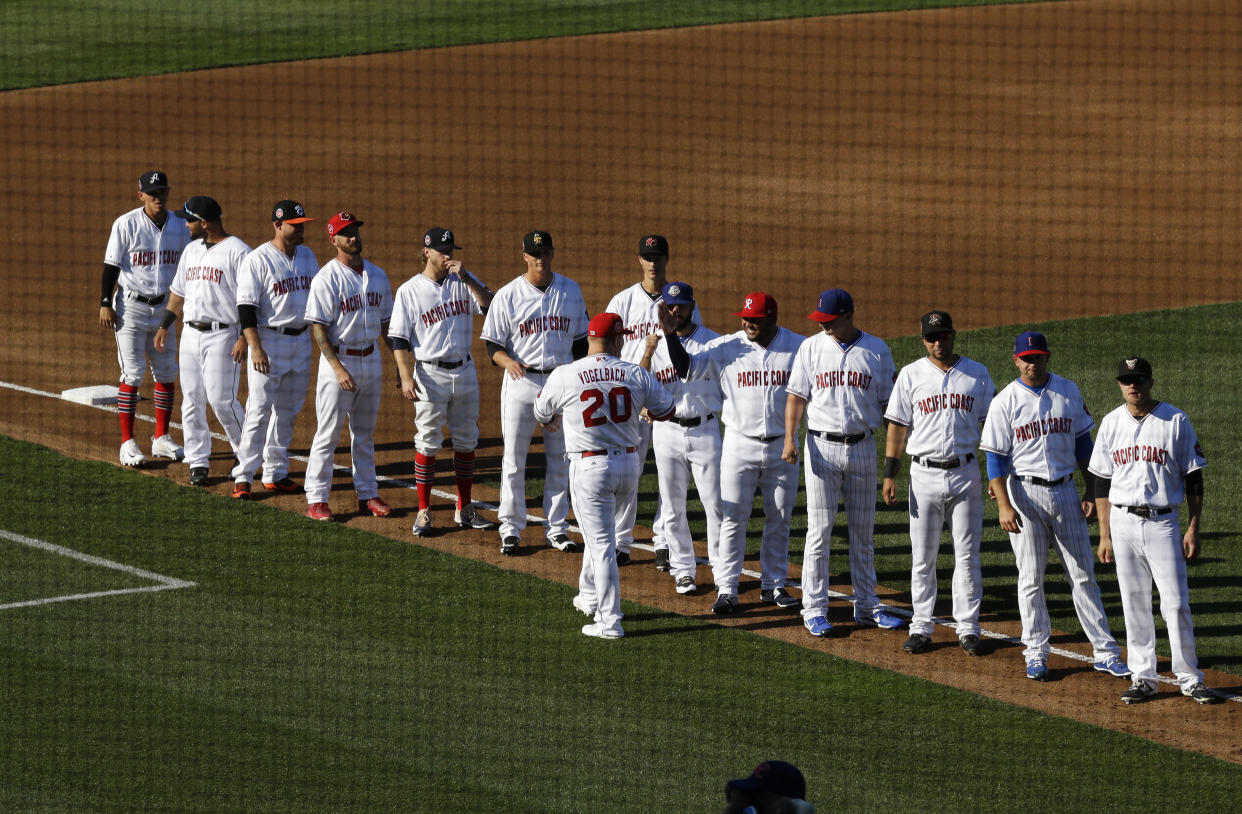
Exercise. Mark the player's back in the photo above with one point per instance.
(601, 397)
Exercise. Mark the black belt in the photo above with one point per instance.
(208, 326)
(693, 422)
(764, 439)
(540, 372)
(1146, 511)
(1042, 482)
(839, 439)
(288, 331)
(447, 365)
(953, 464)
(134, 295)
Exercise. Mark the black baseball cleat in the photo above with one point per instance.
(623, 558)
(917, 643)
(661, 559)
(198, 476)
(509, 546)
(971, 645)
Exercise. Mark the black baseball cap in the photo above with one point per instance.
(537, 242)
(774, 775)
(935, 322)
(200, 207)
(287, 211)
(653, 246)
(148, 182)
(440, 239)
(1135, 367)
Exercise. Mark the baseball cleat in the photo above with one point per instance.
(779, 597)
(917, 643)
(623, 558)
(374, 507)
(131, 455)
(971, 645)
(509, 546)
(319, 511)
(1139, 691)
(725, 603)
(561, 542)
(685, 585)
(881, 619)
(284, 485)
(467, 518)
(1037, 669)
(1200, 694)
(422, 524)
(599, 631)
(165, 447)
(1114, 666)
(818, 626)
(661, 559)
(583, 607)
(198, 476)
(241, 490)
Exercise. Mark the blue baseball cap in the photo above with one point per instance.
(677, 294)
(832, 304)
(1030, 343)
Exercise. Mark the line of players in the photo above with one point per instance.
(759, 383)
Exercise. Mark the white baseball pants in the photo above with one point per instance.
(747, 463)
(332, 406)
(209, 376)
(278, 394)
(136, 324)
(446, 397)
(937, 497)
(600, 486)
(517, 421)
(681, 452)
(626, 541)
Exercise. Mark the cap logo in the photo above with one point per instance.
(1130, 363)
(651, 242)
(298, 210)
(933, 319)
(280, 214)
(675, 290)
(749, 303)
(155, 176)
(537, 238)
(447, 237)
(427, 240)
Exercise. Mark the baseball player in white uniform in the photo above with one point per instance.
(536, 323)
(1037, 429)
(840, 381)
(431, 330)
(599, 399)
(689, 443)
(204, 294)
(752, 368)
(935, 413)
(348, 309)
(144, 248)
(272, 286)
(638, 306)
(1147, 458)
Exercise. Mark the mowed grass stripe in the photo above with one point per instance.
(317, 667)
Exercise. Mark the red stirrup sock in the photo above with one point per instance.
(463, 469)
(163, 406)
(126, 404)
(424, 476)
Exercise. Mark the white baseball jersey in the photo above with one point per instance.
(1037, 427)
(845, 386)
(351, 304)
(277, 285)
(601, 397)
(640, 313)
(537, 328)
(207, 279)
(437, 319)
(146, 254)
(944, 409)
(1147, 458)
(753, 379)
(695, 398)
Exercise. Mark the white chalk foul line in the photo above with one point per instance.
(163, 583)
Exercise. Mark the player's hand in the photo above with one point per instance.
(409, 389)
(1190, 543)
(107, 318)
(1088, 509)
(260, 361)
(554, 425)
(653, 341)
(515, 369)
(345, 380)
(888, 490)
(454, 269)
(160, 339)
(1010, 520)
(668, 323)
(239, 350)
(1105, 551)
(790, 453)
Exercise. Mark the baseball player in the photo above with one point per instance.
(272, 286)
(349, 306)
(841, 381)
(139, 263)
(536, 323)
(638, 306)
(935, 413)
(1146, 458)
(204, 294)
(598, 399)
(687, 444)
(752, 368)
(432, 326)
(1036, 429)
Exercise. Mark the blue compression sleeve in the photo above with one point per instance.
(998, 465)
(1083, 446)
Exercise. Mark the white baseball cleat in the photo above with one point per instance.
(583, 607)
(599, 631)
(165, 447)
(131, 455)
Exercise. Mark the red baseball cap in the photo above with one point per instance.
(607, 324)
(340, 221)
(757, 306)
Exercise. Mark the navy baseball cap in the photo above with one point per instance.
(677, 294)
(1136, 367)
(832, 304)
(148, 182)
(200, 207)
(536, 242)
(287, 211)
(653, 246)
(774, 775)
(440, 239)
(1030, 343)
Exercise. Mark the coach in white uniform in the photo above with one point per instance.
(1147, 458)
(752, 368)
(144, 248)
(841, 381)
(599, 398)
(536, 323)
(431, 330)
(348, 309)
(204, 294)
(936, 411)
(689, 443)
(272, 286)
(1037, 429)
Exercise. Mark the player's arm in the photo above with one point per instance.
(324, 343)
(501, 358)
(248, 316)
(1104, 513)
(894, 443)
(580, 348)
(172, 312)
(404, 358)
(478, 289)
(107, 284)
(649, 348)
(795, 408)
(1194, 508)
(1082, 451)
(998, 473)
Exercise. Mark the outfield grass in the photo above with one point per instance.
(316, 667)
(49, 42)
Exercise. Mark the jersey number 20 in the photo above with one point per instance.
(620, 406)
